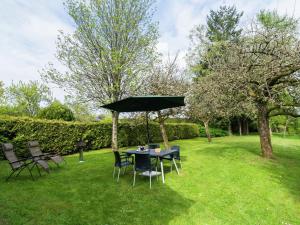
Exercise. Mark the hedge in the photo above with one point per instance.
(60, 136)
(214, 132)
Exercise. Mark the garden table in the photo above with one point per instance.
(158, 155)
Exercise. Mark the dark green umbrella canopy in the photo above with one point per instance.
(145, 103)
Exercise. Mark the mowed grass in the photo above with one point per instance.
(225, 182)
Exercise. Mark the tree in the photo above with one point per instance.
(271, 20)
(222, 25)
(262, 69)
(207, 44)
(202, 104)
(2, 90)
(27, 98)
(111, 48)
(56, 111)
(165, 79)
(83, 111)
(207, 41)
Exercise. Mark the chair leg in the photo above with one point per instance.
(20, 170)
(38, 169)
(134, 174)
(156, 173)
(171, 166)
(124, 169)
(119, 174)
(114, 172)
(30, 172)
(150, 178)
(10, 175)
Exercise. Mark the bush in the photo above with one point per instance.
(60, 136)
(214, 132)
(56, 111)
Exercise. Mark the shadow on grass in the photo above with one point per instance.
(85, 193)
(284, 168)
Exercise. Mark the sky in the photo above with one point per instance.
(29, 29)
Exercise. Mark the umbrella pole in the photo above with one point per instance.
(147, 124)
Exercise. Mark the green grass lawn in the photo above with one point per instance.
(225, 182)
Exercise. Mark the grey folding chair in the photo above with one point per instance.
(36, 153)
(18, 165)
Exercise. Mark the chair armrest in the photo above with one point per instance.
(24, 160)
(20, 160)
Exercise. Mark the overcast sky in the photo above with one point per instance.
(29, 28)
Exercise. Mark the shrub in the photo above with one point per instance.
(60, 136)
(56, 111)
(214, 132)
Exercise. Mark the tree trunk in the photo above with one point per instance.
(240, 126)
(229, 128)
(264, 131)
(114, 139)
(285, 126)
(163, 130)
(247, 127)
(207, 131)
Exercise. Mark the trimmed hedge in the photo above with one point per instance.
(214, 132)
(61, 137)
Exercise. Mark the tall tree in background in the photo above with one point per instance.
(207, 41)
(263, 69)
(112, 46)
(83, 111)
(27, 98)
(202, 103)
(56, 111)
(222, 25)
(165, 78)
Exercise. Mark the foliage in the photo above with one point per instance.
(271, 20)
(82, 110)
(2, 90)
(285, 124)
(165, 78)
(56, 111)
(222, 25)
(112, 46)
(61, 137)
(214, 132)
(27, 98)
(207, 41)
(9, 110)
(221, 183)
(260, 70)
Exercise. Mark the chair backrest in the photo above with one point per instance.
(10, 155)
(153, 145)
(142, 162)
(176, 154)
(34, 148)
(117, 158)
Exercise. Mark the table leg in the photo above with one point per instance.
(176, 166)
(162, 171)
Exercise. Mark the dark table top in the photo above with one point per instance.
(152, 152)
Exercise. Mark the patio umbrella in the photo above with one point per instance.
(145, 104)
